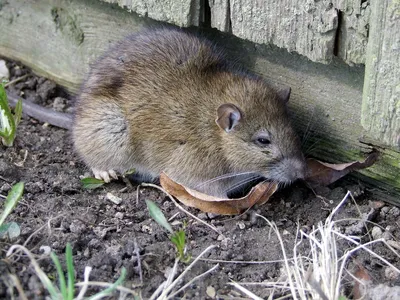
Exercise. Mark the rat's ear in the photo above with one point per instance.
(228, 116)
(284, 94)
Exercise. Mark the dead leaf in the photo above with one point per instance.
(359, 285)
(320, 173)
(258, 195)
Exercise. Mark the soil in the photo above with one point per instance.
(56, 210)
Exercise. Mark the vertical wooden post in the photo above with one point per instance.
(381, 96)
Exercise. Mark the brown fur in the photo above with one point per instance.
(151, 102)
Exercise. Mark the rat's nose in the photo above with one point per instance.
(296, 168)
(288, 170)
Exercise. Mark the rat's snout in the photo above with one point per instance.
(298, 167)
(288, 170)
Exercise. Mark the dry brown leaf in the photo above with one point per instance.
(320, 173)
(258, 195)
(363, 277)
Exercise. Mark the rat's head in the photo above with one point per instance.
(256, 131)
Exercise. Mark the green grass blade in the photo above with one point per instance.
(18, 113)
(91, 183)
(111, 288)
(12, 199)
(7, 124)
(158, 216)
(70, 271)
(61, 277)
(47, 283)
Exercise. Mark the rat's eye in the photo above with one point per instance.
(263, 141)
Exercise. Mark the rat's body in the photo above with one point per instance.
(164, 100)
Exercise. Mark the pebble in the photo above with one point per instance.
(77, 226)
(202, 216)
(241, 225)
(376, 232)
(384, 211)
(59, 104)
(46, 89)
(119, 215)
(114, 199)
(147, 229)
(4, 72)
(391, 274)
(45, 249)
(211, 292)
(394, 211)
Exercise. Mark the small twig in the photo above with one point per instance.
(180, 207)
(48, 224)
(243, 261)
(193, 280)
(106, 284)
(18, 286)
(179, 278)
(2, 178)
(244, 291)
(139, 262)
(85, 283)
(16, 80)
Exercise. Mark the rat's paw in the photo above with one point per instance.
(104, 175)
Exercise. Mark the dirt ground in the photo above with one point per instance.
(55, 210)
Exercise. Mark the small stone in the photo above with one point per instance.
(212, 215)
(384, 212)
(86, 253)
(391, 274)
(394, 211)
(241, 225)
(114, 199)
(119, 215)
(46, 89)
(387, 235)
(59, 104)
(46, 250)
(77, 226)
(202, 216)
(210, 291)
(285, 232)
(220, 237)
(4, 72)
(376, 233)
(147, 229)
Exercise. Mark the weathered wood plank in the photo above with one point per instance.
(352, 38)
(381, 99)
(47, 35)
(59, 38)
(309, 28)
(181, 13)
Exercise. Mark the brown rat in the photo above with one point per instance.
(166, 100)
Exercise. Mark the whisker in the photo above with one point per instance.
(224, 176)
(311, 147)
(307, 132)
(242, 182)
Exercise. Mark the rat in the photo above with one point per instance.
(165, 100)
